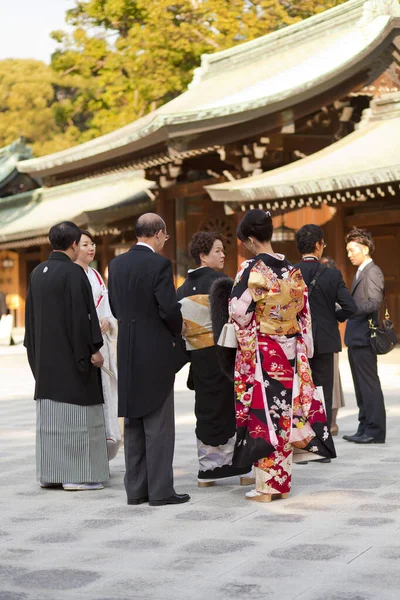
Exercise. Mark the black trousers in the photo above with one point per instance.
(215, 399)
(370, 401)
(149, 451)
(322, 374)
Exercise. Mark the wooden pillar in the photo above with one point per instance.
(339, 243)
(181, 236)
(22, 285)
(165, 207)
(45, 250)
(105, 255)
(242, 253)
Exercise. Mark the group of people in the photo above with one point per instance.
(262, 406)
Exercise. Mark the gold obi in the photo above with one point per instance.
(279, 301)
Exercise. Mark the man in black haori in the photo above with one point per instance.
(63, 339)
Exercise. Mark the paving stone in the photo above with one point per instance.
(100, 523)
(57, 579)
(377, 508)
(17, 552)
(277, 518)
(55, 538)
(389, 553)
(204, 515)
(395, 496)
(344, 493)
(136, 543)
(236, 589)
(217, 546)
(369, 522)
(125, 511)
(361, 483)
(309, 552)
(343, 596)
(308, 506)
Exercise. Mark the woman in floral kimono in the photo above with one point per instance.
(108, 326)
(278, 407)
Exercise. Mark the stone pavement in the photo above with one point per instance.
(337, 537)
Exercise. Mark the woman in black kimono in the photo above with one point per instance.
(214, 395)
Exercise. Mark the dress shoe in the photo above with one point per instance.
(367, 439)
(48, 485)
(352, 438)
(302, 462)
(174, 499)
(136, 501)
(322, 460)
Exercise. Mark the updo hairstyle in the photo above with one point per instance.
(256, 223)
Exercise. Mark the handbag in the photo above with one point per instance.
(384, 338)
(227, 338)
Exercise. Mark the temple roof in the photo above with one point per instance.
(369, 156)
(9, 158)
(86, 202)
(248, 81)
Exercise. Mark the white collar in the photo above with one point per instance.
(147, 246)
(364, 264)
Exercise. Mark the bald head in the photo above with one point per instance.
(148, 225)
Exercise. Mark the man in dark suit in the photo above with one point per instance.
(330, 302)
(368, 290)
(143, 299)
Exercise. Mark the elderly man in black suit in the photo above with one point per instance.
(143, 299)
(368, 291)
(330, 302)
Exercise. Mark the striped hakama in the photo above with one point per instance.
(70, 443)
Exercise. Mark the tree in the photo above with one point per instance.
(33, 104)
(135, 55)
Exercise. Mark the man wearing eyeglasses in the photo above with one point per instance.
(330, 303)
(143, 299)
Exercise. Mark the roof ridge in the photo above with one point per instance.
(209, 62)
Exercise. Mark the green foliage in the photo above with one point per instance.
(126, 57)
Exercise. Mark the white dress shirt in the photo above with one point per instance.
(144, 244)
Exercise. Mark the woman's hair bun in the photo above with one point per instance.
(256, 223)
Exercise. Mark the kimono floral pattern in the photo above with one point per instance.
(277, 404)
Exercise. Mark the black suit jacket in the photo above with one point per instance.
(329, 290)
(368, 292)
(143, 299)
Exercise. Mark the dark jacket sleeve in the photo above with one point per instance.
(348, 307)
(165, 294)
(373, 287)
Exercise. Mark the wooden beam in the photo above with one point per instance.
(369, 219)
(193, 188)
